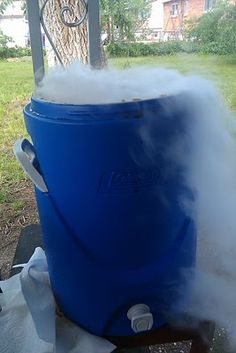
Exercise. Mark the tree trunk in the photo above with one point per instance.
(112, 29)
(71, 43)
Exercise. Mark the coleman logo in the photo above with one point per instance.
(128, 181)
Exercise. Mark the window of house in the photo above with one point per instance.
(208, 5)
(185, 7)
(174, 9)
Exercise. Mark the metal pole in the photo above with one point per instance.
(36, 39)
(94, 34)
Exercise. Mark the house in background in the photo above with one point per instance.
(14, 24)
(177, 12)
(155, 22)
(166, 22)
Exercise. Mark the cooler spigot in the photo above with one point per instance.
(141, 318)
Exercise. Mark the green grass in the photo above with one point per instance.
(17, 205)
(16, 85)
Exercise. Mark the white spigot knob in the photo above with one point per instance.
(141, 318)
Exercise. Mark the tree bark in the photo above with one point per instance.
(71, 43)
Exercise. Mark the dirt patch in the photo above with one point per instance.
(17, 212)
(16, 105)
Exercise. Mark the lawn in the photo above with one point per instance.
(17, 206)
(15, 88)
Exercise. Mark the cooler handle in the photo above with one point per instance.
(25, 154)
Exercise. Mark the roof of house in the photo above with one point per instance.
(164, 1)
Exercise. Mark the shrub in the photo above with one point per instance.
(190, 47)
(4, 40)
(15, 52)
(127, 49)
(215, 31)
(120, 49)
(11, 52)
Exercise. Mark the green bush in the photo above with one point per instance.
(215, 31)
(15, 52)
(11, 52)
(215, 48)
(168, 48)
(20, 52)
(190, 47)
(128, 49)
(119, 49)
(4, 40)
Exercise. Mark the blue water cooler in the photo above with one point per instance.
(117, 240)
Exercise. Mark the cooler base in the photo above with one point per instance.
(201, 336)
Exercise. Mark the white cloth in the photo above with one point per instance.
(28, 320)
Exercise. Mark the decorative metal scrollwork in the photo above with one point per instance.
(65, 10)
(69, 10)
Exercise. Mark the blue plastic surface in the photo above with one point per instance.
(115, 234)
